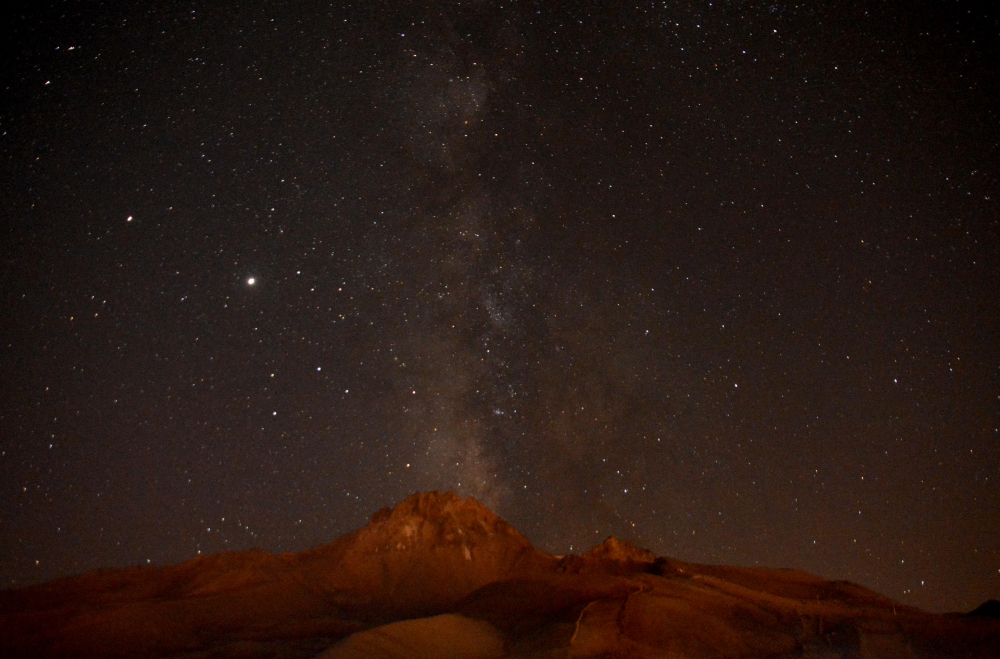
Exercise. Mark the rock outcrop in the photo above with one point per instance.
(418, 558)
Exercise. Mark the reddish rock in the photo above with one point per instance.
(454, 570)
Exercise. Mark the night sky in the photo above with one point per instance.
(719, 278)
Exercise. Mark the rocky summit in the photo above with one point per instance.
(442, 576)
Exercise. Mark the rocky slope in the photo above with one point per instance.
(439, 576)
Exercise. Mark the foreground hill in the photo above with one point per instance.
(439, 576)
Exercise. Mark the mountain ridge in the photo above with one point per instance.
(453, 568)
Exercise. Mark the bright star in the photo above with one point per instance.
(251, 281)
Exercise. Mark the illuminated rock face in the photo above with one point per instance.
(439, 575)
(429, 551)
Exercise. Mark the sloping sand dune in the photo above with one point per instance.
(447, 635)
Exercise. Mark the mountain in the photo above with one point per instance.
(441, 576)
(988, 609)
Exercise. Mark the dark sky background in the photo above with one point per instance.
(719, 278)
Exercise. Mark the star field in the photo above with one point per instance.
(716, 278)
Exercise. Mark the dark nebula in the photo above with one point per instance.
(716, 278)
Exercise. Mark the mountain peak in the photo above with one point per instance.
(620, 551)
(430, 549)
(614, 556)
(436, 505)
(440, 519)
